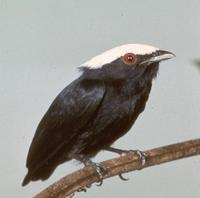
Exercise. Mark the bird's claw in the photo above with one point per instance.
(82, 190)
(123, 178)
(142, 156)
(88, 185)
(100, 171)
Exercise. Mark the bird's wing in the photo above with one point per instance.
(68, 114)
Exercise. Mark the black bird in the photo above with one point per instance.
(96, 109)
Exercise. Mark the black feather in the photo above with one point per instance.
(89, 115)
(63, 122)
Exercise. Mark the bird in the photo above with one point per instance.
(94, 110)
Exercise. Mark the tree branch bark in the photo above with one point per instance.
(87, 176)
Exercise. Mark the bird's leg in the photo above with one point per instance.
(142, 156)
(98, 167)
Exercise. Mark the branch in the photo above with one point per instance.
(85, 177)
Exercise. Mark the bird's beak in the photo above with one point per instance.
(158, 56)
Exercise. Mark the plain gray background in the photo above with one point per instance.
(42, 43)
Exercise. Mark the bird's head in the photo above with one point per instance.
(130, 56)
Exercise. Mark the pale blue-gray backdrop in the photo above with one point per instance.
(42, 43)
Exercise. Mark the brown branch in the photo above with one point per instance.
(87, 176)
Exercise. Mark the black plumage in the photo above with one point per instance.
(90, 114)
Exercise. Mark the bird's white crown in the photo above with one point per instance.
(114, 53)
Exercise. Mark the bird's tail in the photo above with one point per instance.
(26, 180)
(41, 173)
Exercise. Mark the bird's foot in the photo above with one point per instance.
(141, 154)
(100, 170)
(142, 157)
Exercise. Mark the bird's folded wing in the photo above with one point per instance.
(68, 114)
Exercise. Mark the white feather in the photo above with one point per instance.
(114, 53)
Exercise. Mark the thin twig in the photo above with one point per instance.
(87, 176)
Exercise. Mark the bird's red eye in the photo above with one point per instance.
(129, 58)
